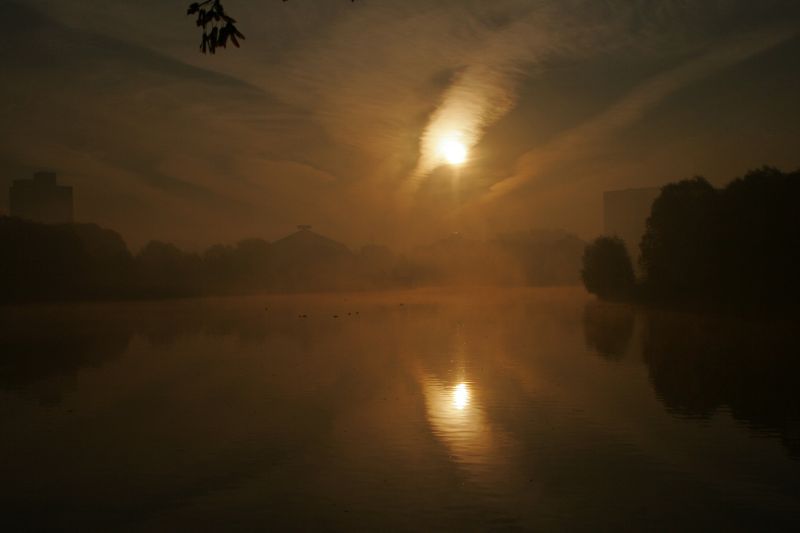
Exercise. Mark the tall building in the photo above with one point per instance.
(625, 215)
(41, 199)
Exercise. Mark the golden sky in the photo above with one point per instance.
(333, 113)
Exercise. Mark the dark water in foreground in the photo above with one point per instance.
(529, 410)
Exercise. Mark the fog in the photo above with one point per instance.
(84, 261)
(410, 409)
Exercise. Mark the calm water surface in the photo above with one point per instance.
(470, 410)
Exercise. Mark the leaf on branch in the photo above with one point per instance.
(223, 27)
(217, 27)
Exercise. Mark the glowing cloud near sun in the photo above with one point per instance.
(477, 97)
(484, 88)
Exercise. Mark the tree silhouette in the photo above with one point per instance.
(677, 249)
(759, 233)
(736, 248)
(607, 270)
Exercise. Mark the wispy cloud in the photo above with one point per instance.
(331, 108)
(583, 140)
(486, 88)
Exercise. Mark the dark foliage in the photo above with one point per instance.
(86, 262)
(678, 244)
(607, 269)
(217, 27)
(43, 262)
(737, 248)
(164, 270)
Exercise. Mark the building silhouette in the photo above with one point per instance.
(625, 214)
(305, 247)
(41, 199)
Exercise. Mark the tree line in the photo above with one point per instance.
(43, 262)
(735, 248)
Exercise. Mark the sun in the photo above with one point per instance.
(453, 150)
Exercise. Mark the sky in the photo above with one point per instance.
(332, 112)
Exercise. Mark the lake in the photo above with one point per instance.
(482, 409)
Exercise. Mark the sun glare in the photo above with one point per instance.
(453, 150)
(460, 396)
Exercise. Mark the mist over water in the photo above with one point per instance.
(430, 409)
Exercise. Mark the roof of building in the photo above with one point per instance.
(307, 242)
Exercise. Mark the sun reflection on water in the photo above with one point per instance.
(460, 396)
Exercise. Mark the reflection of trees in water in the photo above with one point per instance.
(194, 384)
(608, 328)
(699, 364)
(43, 349)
